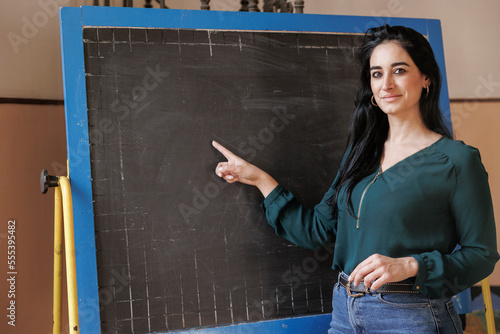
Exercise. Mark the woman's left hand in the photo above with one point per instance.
(381, 269)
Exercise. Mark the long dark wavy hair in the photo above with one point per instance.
(369, 126)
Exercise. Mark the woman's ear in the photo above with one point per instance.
(427, 82)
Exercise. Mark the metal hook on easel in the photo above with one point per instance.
(47, 181)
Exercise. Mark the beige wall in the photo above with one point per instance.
(477, 124)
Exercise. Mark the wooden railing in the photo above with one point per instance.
(276, 6)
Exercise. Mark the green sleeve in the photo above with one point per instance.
(299, 225)
(445, 275)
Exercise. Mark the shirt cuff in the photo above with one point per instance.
(421, 278)
(272, 197)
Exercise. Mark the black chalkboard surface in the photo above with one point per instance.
(176, 246)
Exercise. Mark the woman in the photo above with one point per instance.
(405, 195)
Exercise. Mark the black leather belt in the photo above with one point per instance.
(361, 289)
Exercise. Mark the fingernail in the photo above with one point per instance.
(220, 169)
(230, 177)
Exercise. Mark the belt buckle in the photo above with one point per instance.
(359, 294)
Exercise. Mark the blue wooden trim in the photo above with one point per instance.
(75, 104)
(71, 22)
(300, 325)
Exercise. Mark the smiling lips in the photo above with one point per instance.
(390, 98)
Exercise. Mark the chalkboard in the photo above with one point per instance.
(168, 244)
(194, 251)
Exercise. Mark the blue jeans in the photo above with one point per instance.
(398, 313)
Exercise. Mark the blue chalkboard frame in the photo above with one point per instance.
(73, 19)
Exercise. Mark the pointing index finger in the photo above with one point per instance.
(228, 154)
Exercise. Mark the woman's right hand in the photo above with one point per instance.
(239, 170)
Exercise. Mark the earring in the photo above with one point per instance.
(373, 101)
(427, 94)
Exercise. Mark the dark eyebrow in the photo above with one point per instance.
(393, 65)
(400, 63)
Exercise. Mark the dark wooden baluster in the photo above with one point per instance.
(278, 6)
(252, 5)
(244, 6)
(268, 6)
(205, 4)
(299, 6)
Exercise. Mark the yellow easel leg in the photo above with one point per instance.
(488, 306)
(58, 235)
(70, 255)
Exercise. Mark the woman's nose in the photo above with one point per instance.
(388, 82)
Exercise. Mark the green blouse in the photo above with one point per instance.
(421, 207)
